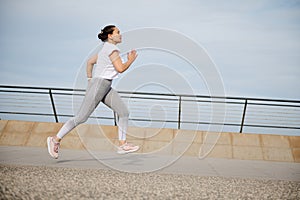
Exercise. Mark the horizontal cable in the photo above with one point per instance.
(195, 109)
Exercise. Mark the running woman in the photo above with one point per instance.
(108, 65)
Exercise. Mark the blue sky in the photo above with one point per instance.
(254, 44)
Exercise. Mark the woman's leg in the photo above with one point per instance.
(95, 93)
(114, 101)
(97, 89)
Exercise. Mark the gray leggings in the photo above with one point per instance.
(99, 90)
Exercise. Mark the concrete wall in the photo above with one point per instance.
(162, 141)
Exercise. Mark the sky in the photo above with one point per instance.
(254, 44)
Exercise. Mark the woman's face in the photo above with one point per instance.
(116, 36)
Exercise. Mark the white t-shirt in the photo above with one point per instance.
(104, 67)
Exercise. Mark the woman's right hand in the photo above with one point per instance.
(131, 56)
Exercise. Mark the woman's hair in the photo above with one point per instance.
(103, 35)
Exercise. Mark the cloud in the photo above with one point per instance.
(246, 39)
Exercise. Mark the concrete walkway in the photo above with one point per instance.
(139, 163)
(124, 176)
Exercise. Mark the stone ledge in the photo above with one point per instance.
(16, 133)
(162, 141)
(242, 139)
(294, 141)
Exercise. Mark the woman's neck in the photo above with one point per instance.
(111, 42)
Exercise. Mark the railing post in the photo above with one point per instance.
(179, 112)
(244, 114)
(115, 119)
(53, 106)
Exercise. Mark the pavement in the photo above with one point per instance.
(30, 173)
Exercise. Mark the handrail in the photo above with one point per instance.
(159, 94)
(242, 110)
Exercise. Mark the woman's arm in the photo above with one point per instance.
(117, 62)
(90, 65)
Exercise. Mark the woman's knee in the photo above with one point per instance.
(124, 114)
(80, 120)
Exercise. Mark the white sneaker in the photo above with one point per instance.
(53, 147)
(127, 148)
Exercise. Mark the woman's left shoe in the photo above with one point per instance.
(127, 148)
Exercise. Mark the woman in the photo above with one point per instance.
(108, 66)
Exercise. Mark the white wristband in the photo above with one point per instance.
(89, 79)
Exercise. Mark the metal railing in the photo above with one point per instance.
(168, 110)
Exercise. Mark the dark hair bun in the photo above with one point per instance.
(103, 35)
